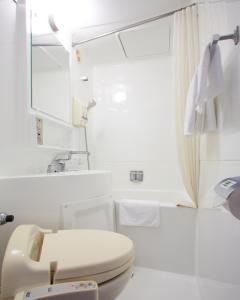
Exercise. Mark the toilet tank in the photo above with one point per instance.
(91, 213)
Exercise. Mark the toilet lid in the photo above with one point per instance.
(82, 254)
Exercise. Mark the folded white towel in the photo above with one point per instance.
(144, 213)
(207, 83)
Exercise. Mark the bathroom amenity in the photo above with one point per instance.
(207, 83)
(31, 260)
(79, 113)
(145, 213)
(229, 190)
(58, 163)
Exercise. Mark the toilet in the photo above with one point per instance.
(37, 257)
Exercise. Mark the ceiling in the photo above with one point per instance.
(110, 15)
(86, 19)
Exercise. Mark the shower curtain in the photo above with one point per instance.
(185, 60)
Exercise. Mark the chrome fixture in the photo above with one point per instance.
(52, 23)
(136, 176)
(235, 37)
(84, 78)
(91, 104)
(86, 144)
(58, 164)
(5, 218)
(133, 25)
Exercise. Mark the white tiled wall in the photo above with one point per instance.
(218, 231)
(220, 152)
(134, 123)
(7, 74)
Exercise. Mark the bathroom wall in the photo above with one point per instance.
(218, 231)
(133, 124)
(220, 152)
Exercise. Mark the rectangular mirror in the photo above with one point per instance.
(50, 76)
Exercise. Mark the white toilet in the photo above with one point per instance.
(36, 257)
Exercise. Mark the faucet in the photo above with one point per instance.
(58, 164)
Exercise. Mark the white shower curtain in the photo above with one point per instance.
(185, 60)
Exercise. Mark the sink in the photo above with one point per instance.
(65, 173)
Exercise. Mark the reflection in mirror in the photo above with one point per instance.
(50, 81)
(50, 73)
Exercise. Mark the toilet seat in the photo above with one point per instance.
(36, 256)
(87, 254)
(101, 277)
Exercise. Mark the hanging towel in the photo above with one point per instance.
(207, 83)
(144, 213)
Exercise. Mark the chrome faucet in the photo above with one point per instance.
(58, 164)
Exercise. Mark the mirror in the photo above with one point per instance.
(50, 74)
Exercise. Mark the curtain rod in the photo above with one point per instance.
(136, 24)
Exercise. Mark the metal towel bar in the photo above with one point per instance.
(235, 37)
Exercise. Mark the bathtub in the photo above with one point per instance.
(171, 247)
(217, 255)
(203, 243)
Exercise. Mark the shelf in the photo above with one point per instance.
(54, 148)
(44, 116)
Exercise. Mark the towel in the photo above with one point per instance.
(139, 213)
(207, 83)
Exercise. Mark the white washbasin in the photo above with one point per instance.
(66, 173)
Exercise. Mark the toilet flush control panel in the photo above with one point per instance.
(81, 290)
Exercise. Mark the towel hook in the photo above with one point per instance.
(235, 37)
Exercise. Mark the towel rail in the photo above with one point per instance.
(235, 37)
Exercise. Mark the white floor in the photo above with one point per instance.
(148, 284)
